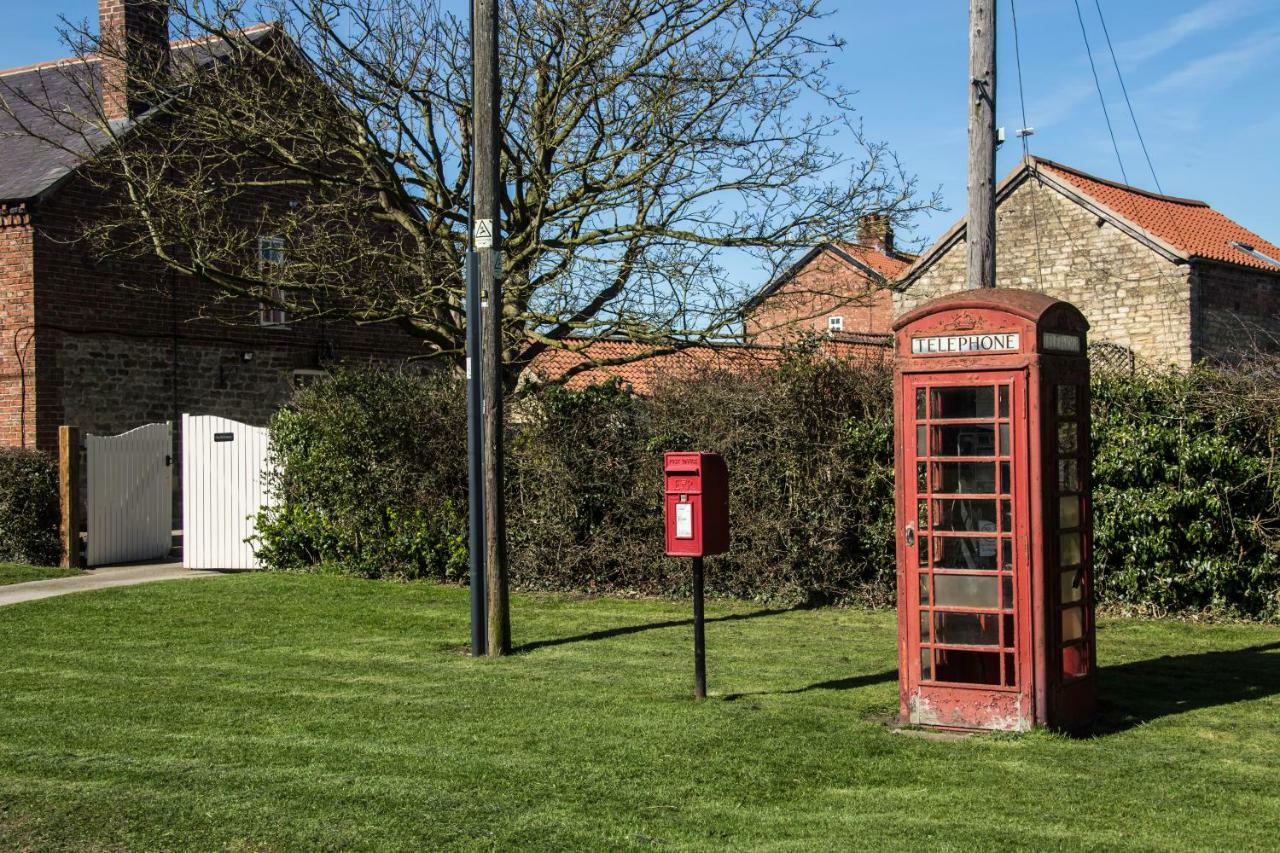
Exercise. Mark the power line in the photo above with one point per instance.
(1125, 89)
(1025, 134)
(1098, 85)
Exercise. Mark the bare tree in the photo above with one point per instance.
(648, 144)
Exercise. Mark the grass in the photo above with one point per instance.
(19, 573)
(261, 712)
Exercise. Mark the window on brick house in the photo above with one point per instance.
(835, 324)
(271, 254)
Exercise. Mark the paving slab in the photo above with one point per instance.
(101, 578)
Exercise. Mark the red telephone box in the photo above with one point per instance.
(995, 595)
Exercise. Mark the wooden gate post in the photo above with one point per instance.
(72, 498)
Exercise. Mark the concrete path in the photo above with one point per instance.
(102, 578)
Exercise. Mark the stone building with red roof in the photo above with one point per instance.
(1167, 280)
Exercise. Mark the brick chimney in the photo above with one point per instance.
(876, 232)
(134, 51)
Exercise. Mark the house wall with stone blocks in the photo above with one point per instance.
(1133, 296)
(1237, 311)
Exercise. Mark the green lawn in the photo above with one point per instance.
(19, 573)
(261, 712)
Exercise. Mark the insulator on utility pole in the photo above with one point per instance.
(980, 227)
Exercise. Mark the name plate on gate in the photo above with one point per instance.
(224, 436)
(946, 344)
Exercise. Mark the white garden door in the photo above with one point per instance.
(224, 469)
(129, 505)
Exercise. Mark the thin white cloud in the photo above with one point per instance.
(1195, 22)
(1221, 67)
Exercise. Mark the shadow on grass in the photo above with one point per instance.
(853, 682)
(610, 633)
(1135, 693)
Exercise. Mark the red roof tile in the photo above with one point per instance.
(1192, 227)
(888, 266)
(644, 372)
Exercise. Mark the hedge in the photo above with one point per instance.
(1187, 490)
(29, 514)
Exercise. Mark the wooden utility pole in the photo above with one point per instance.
(486, 237)
(981, 224)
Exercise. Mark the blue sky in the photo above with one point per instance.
(1202, 75)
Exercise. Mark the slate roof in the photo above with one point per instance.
(646, 372)
(43, 132)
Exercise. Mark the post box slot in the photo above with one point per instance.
(684, 484)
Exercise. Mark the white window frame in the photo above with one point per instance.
(835, 324)
(306, 377)
(271, 253)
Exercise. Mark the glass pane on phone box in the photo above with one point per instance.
(1068, 512)
(1066, 401)
(1072, 624)
(1006, 593)
(1006, 555)
(922, 549)
(922, 477)
(951, 403)
(1004, 401)
(1006, 485)
(922, 440)
(924, 626)
(977, 553)
(924, 589)
(1072, 587)
(1068, 437)
(1069, 553)
(979, 591)
(966, 629)
(1075, 661)
(1005, 447)
(968, 514)
(972, 478)
(964, 440)
(920, 410)
(926, 664)
(1068, 475)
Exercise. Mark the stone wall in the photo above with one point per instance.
(1237, 310)
(1132, 296)
(826, 286)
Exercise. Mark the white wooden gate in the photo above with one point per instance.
(224, 468)
(129, 505)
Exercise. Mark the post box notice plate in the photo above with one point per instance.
(684, 521)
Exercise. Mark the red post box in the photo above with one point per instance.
(995, 588)
(697, 504)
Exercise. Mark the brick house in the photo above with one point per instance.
(838, 289)
(1170, 280)
(108, 346)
